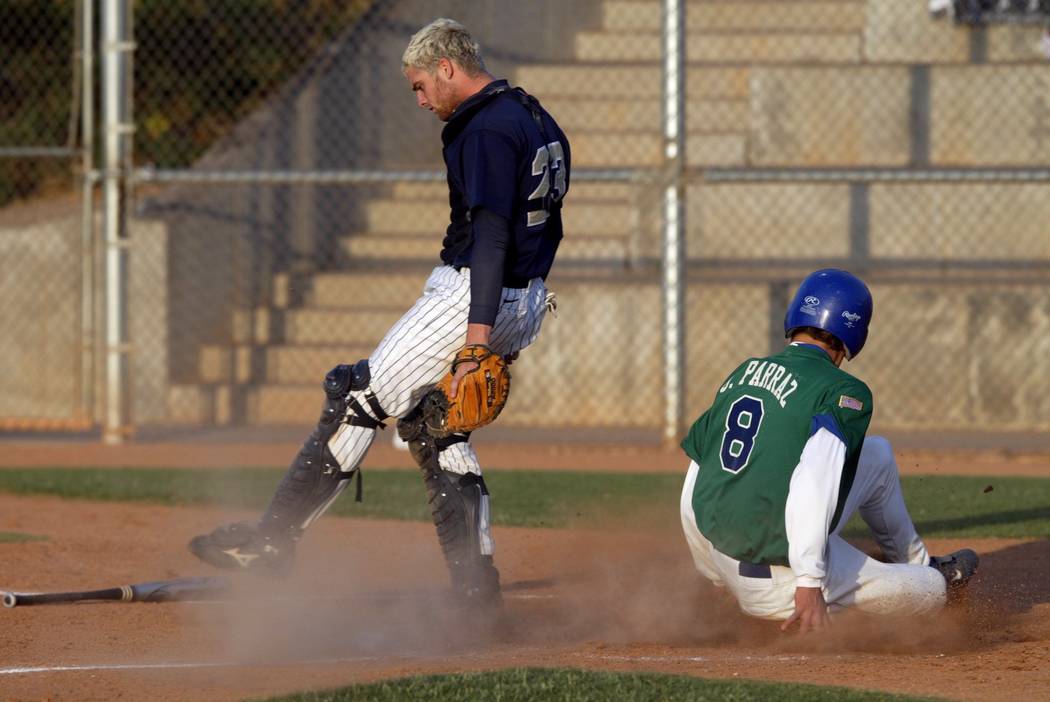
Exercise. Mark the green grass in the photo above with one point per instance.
(524, 498)
(942, 506)
(533, 684)
(956, 506)
(14, 537)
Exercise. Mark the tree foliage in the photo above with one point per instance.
(199, 67)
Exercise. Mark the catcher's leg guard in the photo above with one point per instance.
(459, 507)
(320, 471)
(323, 467)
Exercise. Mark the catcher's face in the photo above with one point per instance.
(434, 91)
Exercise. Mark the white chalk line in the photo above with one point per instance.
(96, 667)
(198, 664)
(690, 659)
(362, 597)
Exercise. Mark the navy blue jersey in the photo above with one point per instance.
(500, 159)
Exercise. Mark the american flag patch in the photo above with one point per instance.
(850, 403)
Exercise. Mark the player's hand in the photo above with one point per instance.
(461, 371)
(467, 367)
(811, 611)
(476, 334)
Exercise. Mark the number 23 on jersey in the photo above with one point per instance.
(548, 164)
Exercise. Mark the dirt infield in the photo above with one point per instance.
(365, 603)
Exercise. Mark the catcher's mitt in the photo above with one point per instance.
(480, 397)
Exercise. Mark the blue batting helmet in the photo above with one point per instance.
(837, 302)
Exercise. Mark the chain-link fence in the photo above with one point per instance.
(46, 286)
(907, 147)
(289, 201)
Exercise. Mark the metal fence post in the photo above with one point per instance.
(88, 320)
(672, 257)
(118, 126)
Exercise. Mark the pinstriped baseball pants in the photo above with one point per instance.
(418, 350)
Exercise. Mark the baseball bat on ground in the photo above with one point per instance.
(179, 589)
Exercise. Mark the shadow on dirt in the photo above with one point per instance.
(1015, 516)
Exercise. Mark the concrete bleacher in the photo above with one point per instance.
(740, 15)
(775, 84)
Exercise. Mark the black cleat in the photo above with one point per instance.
(242, 546)
(478, 583)
(957, 569)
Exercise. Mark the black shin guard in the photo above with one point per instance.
(459, 510)
(457, 504)
(315, 478)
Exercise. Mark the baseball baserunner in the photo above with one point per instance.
(780, 463)
(508, 170)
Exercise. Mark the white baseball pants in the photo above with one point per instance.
(418, 350)
(906, 586)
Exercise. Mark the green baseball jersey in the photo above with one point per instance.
(749, 442)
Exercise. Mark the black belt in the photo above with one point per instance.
(755, 570)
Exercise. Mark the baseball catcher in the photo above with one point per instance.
(441, 370)
(779, 464)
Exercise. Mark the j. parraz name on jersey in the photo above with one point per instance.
(772, 377)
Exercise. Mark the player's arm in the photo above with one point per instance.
(811, 502)
(487, 262)
(491, 239)
(490, 181)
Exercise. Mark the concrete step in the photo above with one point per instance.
(356, 289)
(308, 364)
(628, 82)
(194, 404)
(963, 120)
(401, 217)
(771, 47)
(717, 150)
(282, 404)
(366, 289)
(423, 216)
(616, 150)
(904, 33)
(712, 115)
(831, 116)
(835, 116)
(776, 15)
(225, 404)
(611, 150)
(781, 221)
(392, 247)
(334, 325)
(223, 364)
(816, 116)
(275, 364)
(581, 191)
(937, 221)
(952, 221)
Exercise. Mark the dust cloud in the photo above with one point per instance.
(379, 589)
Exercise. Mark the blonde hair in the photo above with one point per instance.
(443, 38)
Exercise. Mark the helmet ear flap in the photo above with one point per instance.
(837, 302)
